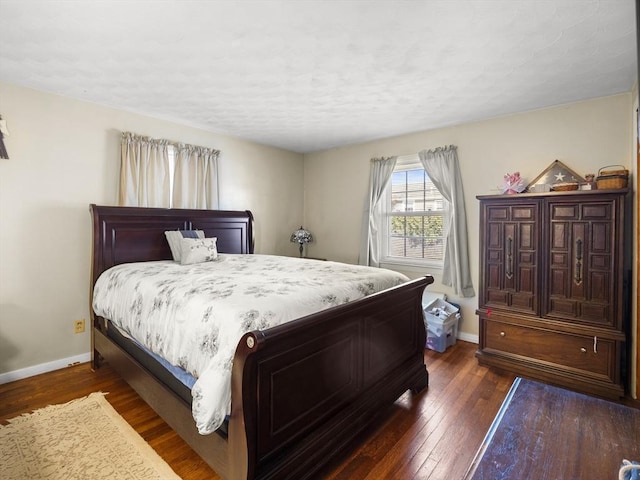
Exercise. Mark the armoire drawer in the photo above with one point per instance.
(592, 355)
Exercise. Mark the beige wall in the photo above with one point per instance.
(65, 155)
(584, 136)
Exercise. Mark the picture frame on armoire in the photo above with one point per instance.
(555, 174)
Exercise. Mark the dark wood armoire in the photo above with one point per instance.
(554, 298)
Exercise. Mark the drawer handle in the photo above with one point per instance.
(509, 258)
(578, 276)
(595, 346)
(502, 334)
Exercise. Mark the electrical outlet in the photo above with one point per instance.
(78, 326)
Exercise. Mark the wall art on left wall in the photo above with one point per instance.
(4, 132)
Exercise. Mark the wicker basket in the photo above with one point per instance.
(612, 179)
(565, 187)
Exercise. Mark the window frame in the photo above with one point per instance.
(403, 164)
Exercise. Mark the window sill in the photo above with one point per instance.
(411, 267)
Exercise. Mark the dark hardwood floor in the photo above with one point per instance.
(434, 435)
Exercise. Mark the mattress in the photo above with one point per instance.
(193, 316)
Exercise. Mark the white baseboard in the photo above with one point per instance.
(43, 368)
(468, 337)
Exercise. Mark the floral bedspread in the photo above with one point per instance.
(194, 315)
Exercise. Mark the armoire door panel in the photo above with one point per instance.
(509, 260)
(494, 235)
(577, 288)
(497, 213)
(526, 236)
(599, 286)
(564, 212)
(527, 280)
(522, 301)
(494, 256)
(599, 262)
(561, 306)
(558, 283)
(559, 236)
(522, 213)
(527, 258)
(494, 276)
(559, 259)
(581, 252)
(497, 297)
(597, 211)
(600, 238)
(595, 312)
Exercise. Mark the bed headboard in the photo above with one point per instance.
(136, 234)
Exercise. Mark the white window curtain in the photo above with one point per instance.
(381, 172)
(195, 177)
(442, 167)
(159, 173)
(144, 172)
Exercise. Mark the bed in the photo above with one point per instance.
(301, 392)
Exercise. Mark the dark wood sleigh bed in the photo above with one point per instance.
(301, 392)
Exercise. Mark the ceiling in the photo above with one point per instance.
(311, 75)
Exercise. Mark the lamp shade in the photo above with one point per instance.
(301, 237)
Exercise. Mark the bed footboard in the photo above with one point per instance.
(304, 390)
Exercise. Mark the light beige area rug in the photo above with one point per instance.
(83, 439)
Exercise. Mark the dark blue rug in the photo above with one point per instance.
(545, 432)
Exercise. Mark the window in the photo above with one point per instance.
(414, 216)
(160, 173)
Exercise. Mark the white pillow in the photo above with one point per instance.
(174, 237)
(197, 250)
